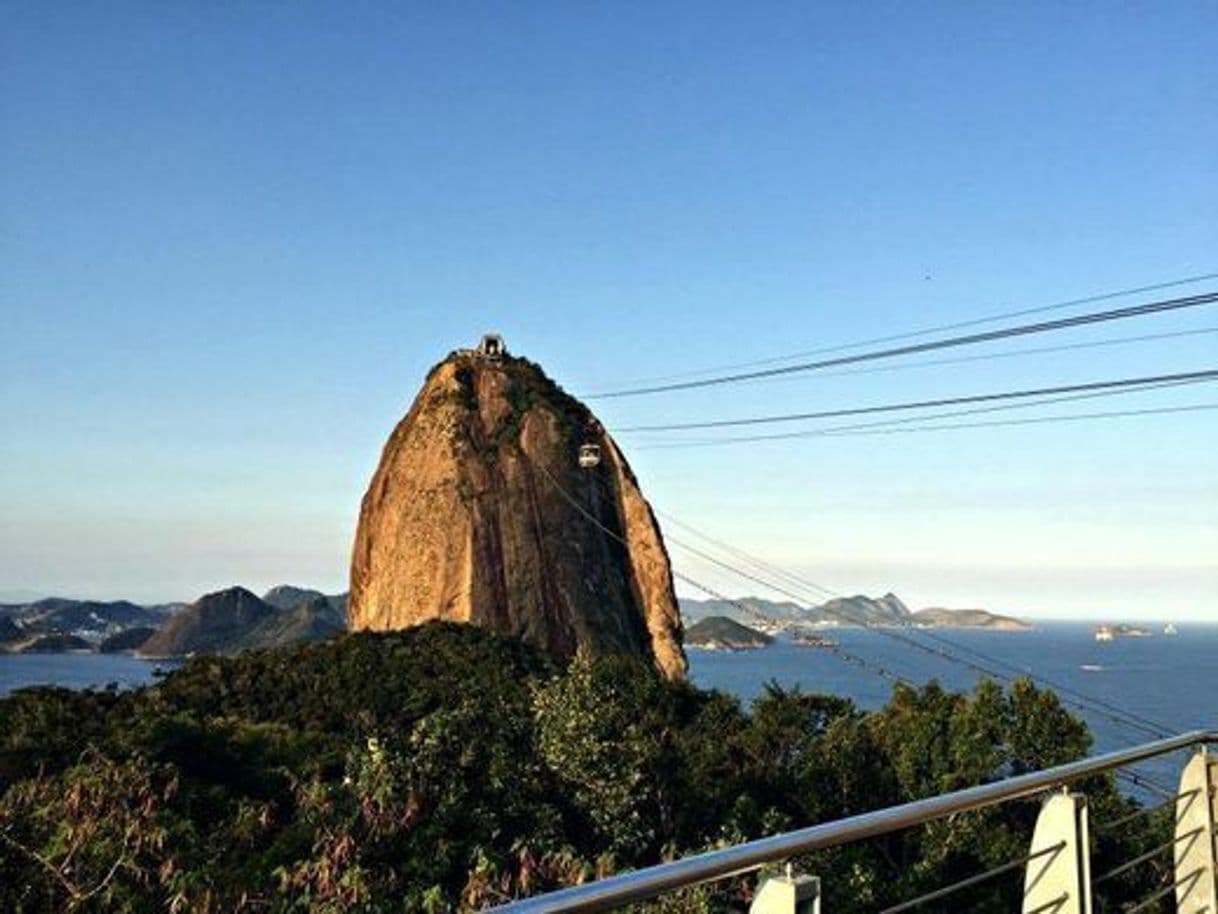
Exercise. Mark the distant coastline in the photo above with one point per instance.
(773, 617)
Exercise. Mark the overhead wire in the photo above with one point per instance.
(1008, 354)
(942, 328)
(921, 423)
(934, 403)
(1079, 320)
(947, 650)
(1039, 420)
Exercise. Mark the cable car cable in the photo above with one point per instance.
(1007, 354)
(903, 426)
(941, 328)
(1095, 317)
(1143, 381)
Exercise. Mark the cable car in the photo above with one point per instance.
(589, 455)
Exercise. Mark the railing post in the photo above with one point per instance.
(1058, 879)
(1196, 812)
(787, 894)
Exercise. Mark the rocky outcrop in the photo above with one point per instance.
(480, 512)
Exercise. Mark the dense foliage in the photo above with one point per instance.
(446, 768)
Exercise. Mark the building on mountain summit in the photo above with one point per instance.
(492, 346)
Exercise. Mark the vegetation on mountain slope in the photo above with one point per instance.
(129, 639)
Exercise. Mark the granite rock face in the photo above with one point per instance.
(480, 512)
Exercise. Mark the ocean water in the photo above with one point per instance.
(1169, 680)
(75, 671)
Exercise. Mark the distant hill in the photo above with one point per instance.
(858, 610)
(696, 610)
(313, 620)
(969, 618)
(222, 622)
(214, 623)
(129, 639)
(722, 632)
(288, 596)
(8, 630)
(235, 619)
(885, 610)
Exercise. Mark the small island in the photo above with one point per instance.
(719, 633)
(1112, 632)
(805, 638)
(968, 618)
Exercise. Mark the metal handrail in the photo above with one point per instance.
(640, 885)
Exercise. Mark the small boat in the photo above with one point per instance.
(1104, 633)
(808, 640)
(1170, 629)
(1091, 668)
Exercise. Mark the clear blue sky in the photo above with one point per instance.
(235, 237)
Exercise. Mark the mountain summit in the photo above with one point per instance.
(499, 501)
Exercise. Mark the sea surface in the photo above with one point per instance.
(1171, 681)
(75, 671)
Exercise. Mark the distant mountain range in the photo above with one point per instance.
(857, 610)
(223, 622)
(57, 614)
(236, 619)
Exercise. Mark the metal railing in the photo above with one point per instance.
(642, 885)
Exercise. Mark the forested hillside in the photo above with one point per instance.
(444, 768)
